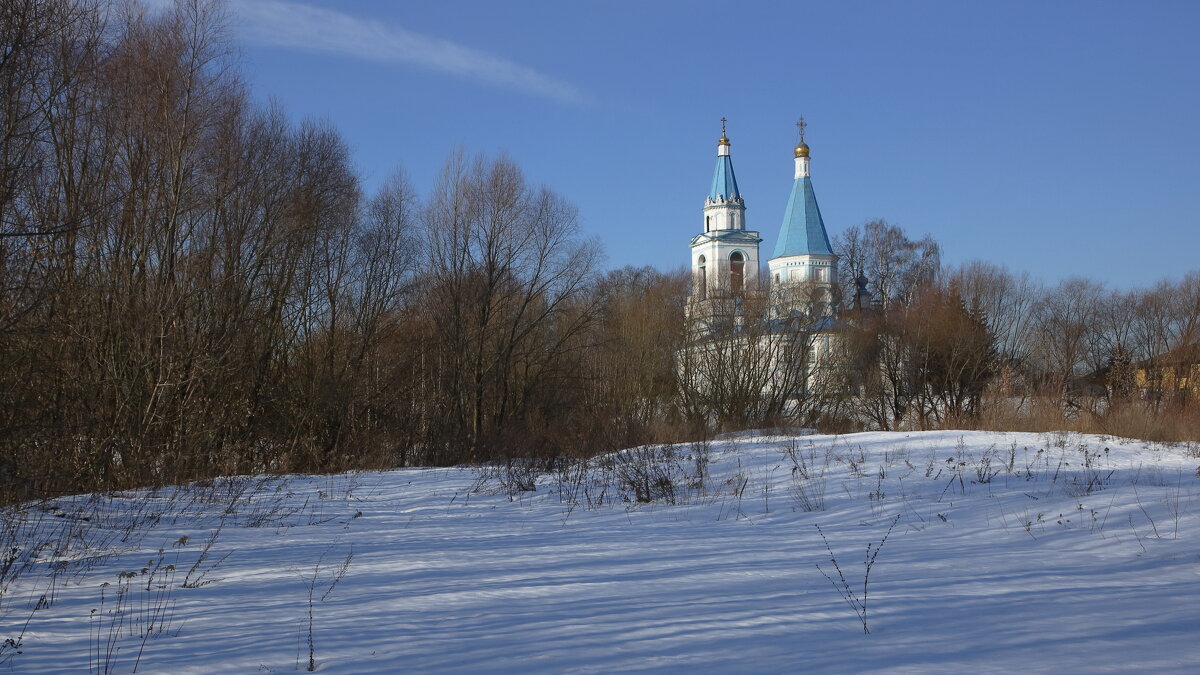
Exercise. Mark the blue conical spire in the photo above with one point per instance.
(803, 231)
(724, 185)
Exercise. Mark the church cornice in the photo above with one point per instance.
(710, 203)
(805, 259)
(727, 236)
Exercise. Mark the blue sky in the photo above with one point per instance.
(1058, 138)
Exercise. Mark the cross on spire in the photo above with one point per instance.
(723, 120)
(800, 125)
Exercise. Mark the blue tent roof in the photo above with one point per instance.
(803, 231)
(724, 185)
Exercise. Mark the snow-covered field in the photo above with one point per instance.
(1010, 552)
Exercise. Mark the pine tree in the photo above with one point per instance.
(1120, 377)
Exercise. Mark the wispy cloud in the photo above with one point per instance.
(296, 25)
(299, 26)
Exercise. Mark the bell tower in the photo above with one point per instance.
(725, 253)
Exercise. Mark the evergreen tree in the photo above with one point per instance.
(1120, 378)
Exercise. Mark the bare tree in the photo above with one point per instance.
(875, 384)
(1063, 337)
(745, 365)
(509, 288)
(632, 372)
(952, 355)
(895, 265)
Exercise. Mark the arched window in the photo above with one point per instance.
(701, 279)
(707, 227)
(737, 268)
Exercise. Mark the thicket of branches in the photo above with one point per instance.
(742, 367)
(978, 346)
(193, 285)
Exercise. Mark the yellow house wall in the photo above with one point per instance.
(1171, 378)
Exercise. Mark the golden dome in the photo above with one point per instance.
(802, 149)
(722, 140)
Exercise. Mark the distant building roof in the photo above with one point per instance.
(1184, 355)
(820, 324)
(803, 231)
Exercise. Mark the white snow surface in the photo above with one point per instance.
(1081, 554)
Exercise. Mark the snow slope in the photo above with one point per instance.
(1080, 554)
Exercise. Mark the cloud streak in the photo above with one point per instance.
(294, 25)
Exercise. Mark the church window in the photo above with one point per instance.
(707, 227)
(737, 266)
(701, 280)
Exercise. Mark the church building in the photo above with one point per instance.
(725, 256)
(757, 348)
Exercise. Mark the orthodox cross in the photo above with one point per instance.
(722, 127)
(800, 125)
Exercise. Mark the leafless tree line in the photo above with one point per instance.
(979, 345)
(193, 285)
